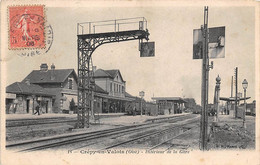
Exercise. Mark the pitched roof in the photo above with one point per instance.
(99, 89)
(128, 95)
(60, 75)
(137, 99)
(100, 73)
(23, 88)
(113, 72)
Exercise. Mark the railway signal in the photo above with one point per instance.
(216, 42)
(147, 49)
(89, 39)
(207, 43)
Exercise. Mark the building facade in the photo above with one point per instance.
(112, 82)
(54, 89)
(59, 82)
(23, 97)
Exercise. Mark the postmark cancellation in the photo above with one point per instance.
(26, 27)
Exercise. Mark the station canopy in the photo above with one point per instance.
(176, 99)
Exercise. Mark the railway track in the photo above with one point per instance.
(141, 138)
(167, 145)
(170, 144)
(28, 122)
(53, 143)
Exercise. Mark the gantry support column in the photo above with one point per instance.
(87, 44)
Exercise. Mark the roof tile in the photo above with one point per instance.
(24, 88)
(38, 76)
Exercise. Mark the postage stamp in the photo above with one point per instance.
(26, 27)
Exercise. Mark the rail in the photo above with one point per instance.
(54, 142)
(137, 23)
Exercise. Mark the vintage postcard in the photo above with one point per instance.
(130, 82)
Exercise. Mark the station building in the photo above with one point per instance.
(53, 90)
(62, 83)
(23, 97)
(115, 98)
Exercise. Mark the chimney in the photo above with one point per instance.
(27, 81)
(52, 72)
(44, 67)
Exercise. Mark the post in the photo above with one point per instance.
(92, 114)
(204, 88)
(142, 95)
(244, 84)
(244, 116)
(141, 106)
(227, 111)
(218, 79)
(236, 70)
(232, 86)
(33, 97)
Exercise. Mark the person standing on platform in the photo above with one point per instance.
(37, 110)
(134, 111)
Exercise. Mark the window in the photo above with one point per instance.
(123, 89)
(70, 83)
(114, 87)
(111, 87)
(119, 88)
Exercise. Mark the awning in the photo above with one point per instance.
(177, 99)
(233, 98)
(114, 97)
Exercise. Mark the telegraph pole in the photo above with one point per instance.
(236, 70)
(205, 79)
(232, 86)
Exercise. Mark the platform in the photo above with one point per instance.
(105, 118)
(55, 115)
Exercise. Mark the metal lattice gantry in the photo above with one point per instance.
(91, 35)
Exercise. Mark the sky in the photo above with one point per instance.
(172, 72)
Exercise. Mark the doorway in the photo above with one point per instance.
(27, 105)
(47, 103)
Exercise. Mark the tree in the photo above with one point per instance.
(190, 103)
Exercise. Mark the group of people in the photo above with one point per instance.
(225, 111)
